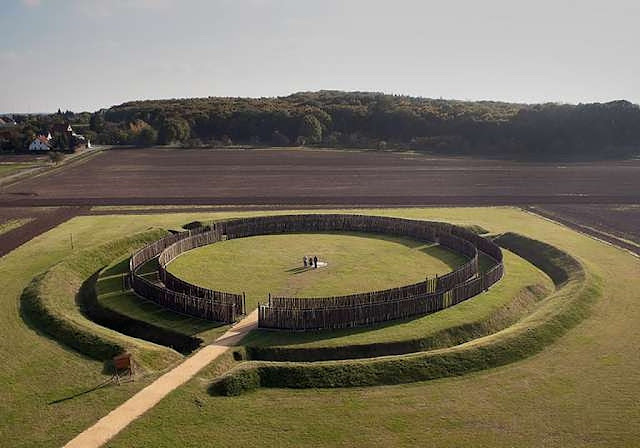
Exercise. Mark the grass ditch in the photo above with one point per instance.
(559, 312)
(131, 314)
(50, 303)
(122, 323)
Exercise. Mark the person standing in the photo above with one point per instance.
(315, 262)
(304, 261)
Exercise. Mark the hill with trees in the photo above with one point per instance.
(374, 120)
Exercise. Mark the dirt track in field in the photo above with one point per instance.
(305, 177)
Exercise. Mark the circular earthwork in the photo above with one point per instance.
(300, 314)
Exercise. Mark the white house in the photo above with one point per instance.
(41, 143)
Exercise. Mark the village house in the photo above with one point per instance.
(41, 143)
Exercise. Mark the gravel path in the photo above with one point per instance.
(114, 422)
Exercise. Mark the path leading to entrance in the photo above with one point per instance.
(114, 422)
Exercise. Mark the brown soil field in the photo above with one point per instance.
(604, 196)
(612, 223)
(321, 177)
(43, 219)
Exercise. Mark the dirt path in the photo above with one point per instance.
(114, 422)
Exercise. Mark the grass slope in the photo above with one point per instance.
(12, 224)
(6, 169)
(50, 304)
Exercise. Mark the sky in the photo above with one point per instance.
(83, 55)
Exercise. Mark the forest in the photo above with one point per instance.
(363, 120)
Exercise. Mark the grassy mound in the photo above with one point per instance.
(556, 314)
(50, 303)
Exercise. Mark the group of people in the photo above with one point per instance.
(310, 262)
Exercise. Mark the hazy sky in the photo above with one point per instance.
(88, 54)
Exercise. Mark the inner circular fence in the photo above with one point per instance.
(296, 313)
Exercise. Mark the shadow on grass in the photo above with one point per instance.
(300, 270)
(452, 259)
(102, 385)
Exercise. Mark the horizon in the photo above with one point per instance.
(100, 54)
(7, 113)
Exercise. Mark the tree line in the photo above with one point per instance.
(380, 121)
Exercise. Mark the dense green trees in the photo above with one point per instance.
(380, 121)
(173, 129)
(372, 120)
(146, 137)
(97, 122)
(311, 129)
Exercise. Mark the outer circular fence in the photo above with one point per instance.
(295, 313)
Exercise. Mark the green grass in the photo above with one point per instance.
(12, 224)
(580, 391)
(273, 264)
(6, 169)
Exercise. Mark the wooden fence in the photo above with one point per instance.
(177, 284)
(295, 313)
(214, 305)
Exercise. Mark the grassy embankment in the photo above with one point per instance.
(53, 302)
